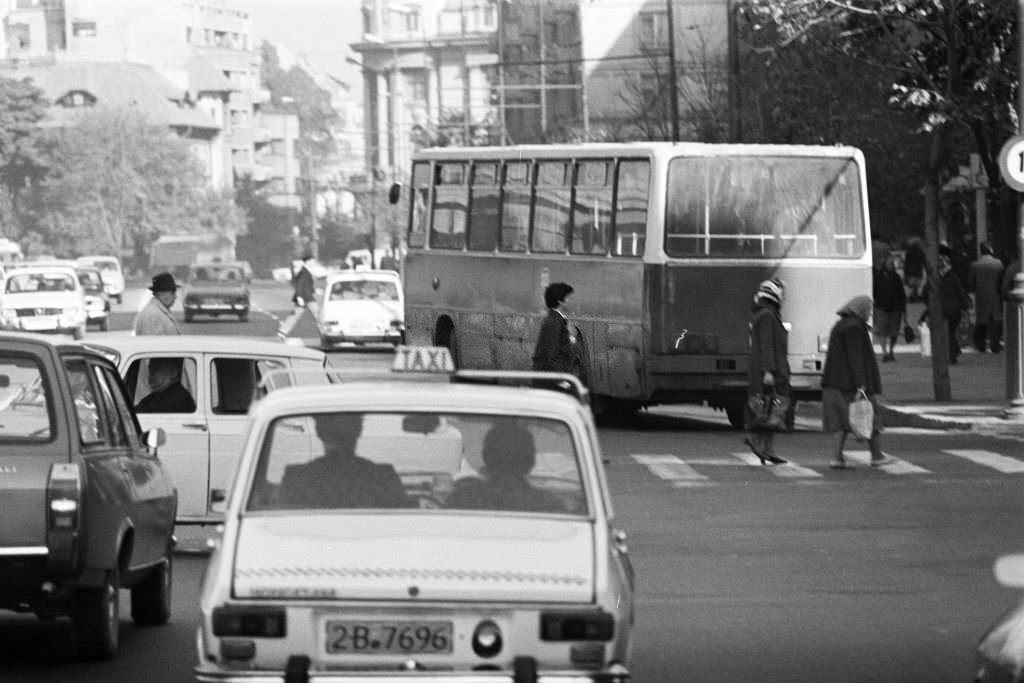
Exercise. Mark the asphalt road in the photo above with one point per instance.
(792, 573)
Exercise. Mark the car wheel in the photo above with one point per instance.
(243, 317)
(95, 619)
(188, 317)
(151, 598)
(119, 298)
(104, 325)
(78, 332)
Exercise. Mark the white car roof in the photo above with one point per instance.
(206, 343)
(362, 275)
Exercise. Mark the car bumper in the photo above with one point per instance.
(332, 337)
(209, 676)
(217, 308)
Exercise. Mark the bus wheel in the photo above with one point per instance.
(734, 411)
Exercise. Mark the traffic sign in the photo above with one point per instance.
(1011, 162)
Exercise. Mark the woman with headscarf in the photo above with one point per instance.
(769, 367)
(851, 366)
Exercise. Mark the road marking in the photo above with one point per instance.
(789, 470)
(1000, 463)
(898, 467)
(671, 469)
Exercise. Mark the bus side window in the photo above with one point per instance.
(551, 206)
(515, 206)
(451, 203)
(592, 215)
(483, 207)
(418, 206)
(631, 208)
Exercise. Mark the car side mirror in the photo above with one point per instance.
(218, 501)
(154, 438)
(395, 193)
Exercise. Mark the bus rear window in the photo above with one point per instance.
(764, 207)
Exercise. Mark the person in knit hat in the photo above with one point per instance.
(851, 366)
(768, 366)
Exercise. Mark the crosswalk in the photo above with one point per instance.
(697, 472)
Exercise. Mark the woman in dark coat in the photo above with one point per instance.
(553, 352)
(890, 307)
(851, 365)
(769, 367)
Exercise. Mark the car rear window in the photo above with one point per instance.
(25, 403)
(425, 461)
(354, 290)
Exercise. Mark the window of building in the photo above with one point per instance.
(416, 86)
(188, 35)
(277, 147)
(19, 36)
(239, 117)
(83, 29)
(412, 19)
(652, 30)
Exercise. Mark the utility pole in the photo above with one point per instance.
(673, 82)
(1015, 327)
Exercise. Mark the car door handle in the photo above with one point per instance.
(201, 426)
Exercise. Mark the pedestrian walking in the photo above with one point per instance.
(880, 250)
(985, 279)
(768, 367)
(913, 268)
(953, 301)
(890, 307)
(156, 317)
(553, 352)
(851, 367)
(303, 297)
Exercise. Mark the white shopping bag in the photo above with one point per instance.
(925, 335)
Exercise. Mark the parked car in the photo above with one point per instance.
(360, 307)
(424, 524)
(113, 275)
(217, 289)
(219, 375)
(43, 298)
(88, 507)
(97, 303)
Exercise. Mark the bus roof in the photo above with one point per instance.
(604, 149)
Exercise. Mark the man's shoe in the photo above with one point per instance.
(884, 461)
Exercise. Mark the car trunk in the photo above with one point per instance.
(428, 556)
(23, 480)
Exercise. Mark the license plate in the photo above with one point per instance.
(36, 322)
(388, 637)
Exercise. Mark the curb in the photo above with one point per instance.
(892, 416)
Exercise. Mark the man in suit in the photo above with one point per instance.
(304, 296)
(553, 352)
(167, 395)
(340, 478)
(156, 317)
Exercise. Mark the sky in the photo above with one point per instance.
(322, 29)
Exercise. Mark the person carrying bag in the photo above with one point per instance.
(851, 371)
(769, 408)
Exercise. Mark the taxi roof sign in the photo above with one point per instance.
(429, 359)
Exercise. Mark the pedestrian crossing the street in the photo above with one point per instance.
(683, 472)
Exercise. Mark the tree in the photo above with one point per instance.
(116, 182)
(951, 64)
(22, 107)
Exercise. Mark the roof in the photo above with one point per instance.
(203, 76)
(209, 343)
(62, 343)
(352, 274)
(114, 84)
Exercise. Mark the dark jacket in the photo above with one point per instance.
(769, 347)
(953, 299)
(888, 291)
(304, 286)
(553, 352)
(173, 399)
(850, 362)
(345, 481)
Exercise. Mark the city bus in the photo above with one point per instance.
(664, 244)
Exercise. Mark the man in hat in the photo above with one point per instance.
(304, 296)
(155, 317)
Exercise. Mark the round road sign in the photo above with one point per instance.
(1011, 162)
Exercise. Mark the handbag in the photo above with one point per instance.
(770, 411)
(908, 334)
(862, 416)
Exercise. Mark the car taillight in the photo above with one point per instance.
(63, 516)
(561, 626)
(252, 622)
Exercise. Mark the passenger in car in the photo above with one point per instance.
(340, 478)
(509, 456)
(167, 393)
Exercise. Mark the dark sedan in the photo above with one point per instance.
(217, 289)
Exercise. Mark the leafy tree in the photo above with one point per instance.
(951, 64)
(22, 107)
(115, 182)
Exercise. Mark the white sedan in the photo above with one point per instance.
(432, 529)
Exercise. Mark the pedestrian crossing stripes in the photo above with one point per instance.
(697, 472)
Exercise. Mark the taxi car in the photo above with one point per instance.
(362, 307)
(97, 303)
(88, 507)
(448, 530)
(218, 288)
(113, 275)
(1000, 653)
(43, 298)
(218, 375)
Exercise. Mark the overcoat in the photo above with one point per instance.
(305, 287)
(154, 318)
(553, 352)
(985, 280)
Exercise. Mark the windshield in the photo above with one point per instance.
(106, 266)
(24, 402)
(91, 281)
(421, 461)
(764, 207)
(40, 282)
(377, 290)
(231, 274)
